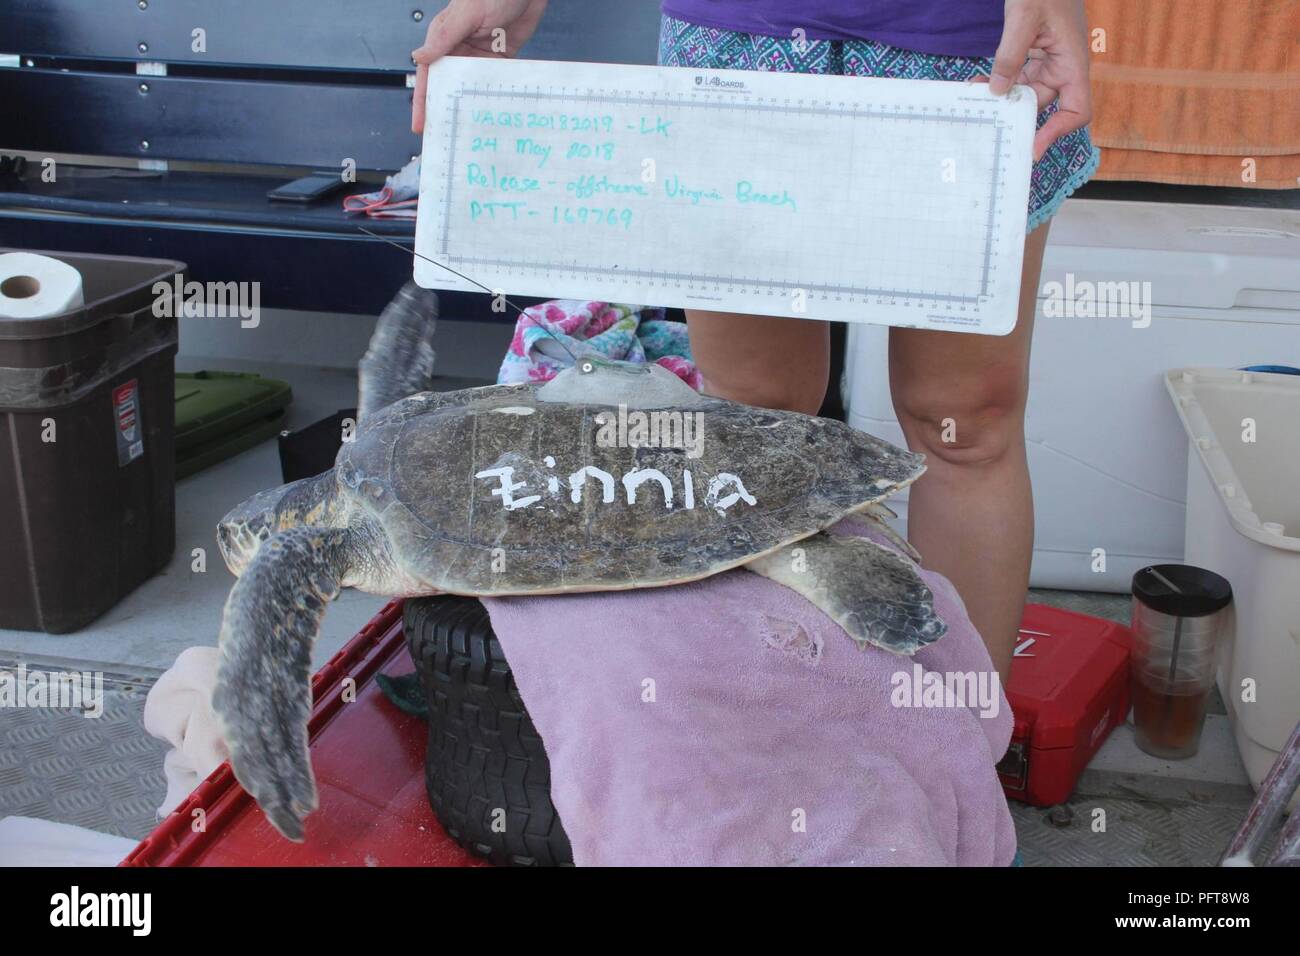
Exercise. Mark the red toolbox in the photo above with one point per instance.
(369, 763)
(1068, 689)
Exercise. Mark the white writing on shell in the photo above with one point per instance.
(724, 491)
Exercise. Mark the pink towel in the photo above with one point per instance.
(730, 722)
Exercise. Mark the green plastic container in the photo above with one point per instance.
(220, 414)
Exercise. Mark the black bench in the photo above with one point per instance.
(278, 89)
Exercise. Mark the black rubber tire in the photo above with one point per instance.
(484, 754)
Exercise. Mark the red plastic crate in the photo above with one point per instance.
(369, 763)
(1068, 690)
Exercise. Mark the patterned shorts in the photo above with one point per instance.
(1065, 166)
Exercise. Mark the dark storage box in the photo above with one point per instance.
(88, 516)
(312, 450)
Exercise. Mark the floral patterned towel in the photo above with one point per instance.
(612, 330)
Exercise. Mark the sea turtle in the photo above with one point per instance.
(610, 476)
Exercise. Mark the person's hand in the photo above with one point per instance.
(465, 28)
(1053, 36)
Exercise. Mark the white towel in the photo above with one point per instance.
(27, 841)
(179, 711)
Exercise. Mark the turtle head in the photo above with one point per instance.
(241, 532)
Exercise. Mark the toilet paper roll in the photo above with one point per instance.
(37, 287)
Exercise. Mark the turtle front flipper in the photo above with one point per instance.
(399, 361)
(263, 692)
(874, 593)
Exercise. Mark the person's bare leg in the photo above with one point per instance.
(971, 515)
(760, 360)
(961, 400)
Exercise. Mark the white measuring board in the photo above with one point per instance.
(897, 202)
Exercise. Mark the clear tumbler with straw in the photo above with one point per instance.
(1178, 613)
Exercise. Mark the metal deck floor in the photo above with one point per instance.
(106, 775)
(1141, 828)
(103, 774)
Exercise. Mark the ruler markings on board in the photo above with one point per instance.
(695, 101)
(940, 254)
(718, 281)
(741, 106)
(993, 205)
(451, 163)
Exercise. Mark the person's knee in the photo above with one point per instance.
(762, 360)
(793, 396)
(977, 426)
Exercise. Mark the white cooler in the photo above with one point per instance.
(1107, 452)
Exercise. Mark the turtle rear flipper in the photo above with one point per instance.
(263, 692)
(399, 361)
(875, 594)
(876, 513)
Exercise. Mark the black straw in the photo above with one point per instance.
(462, 275)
